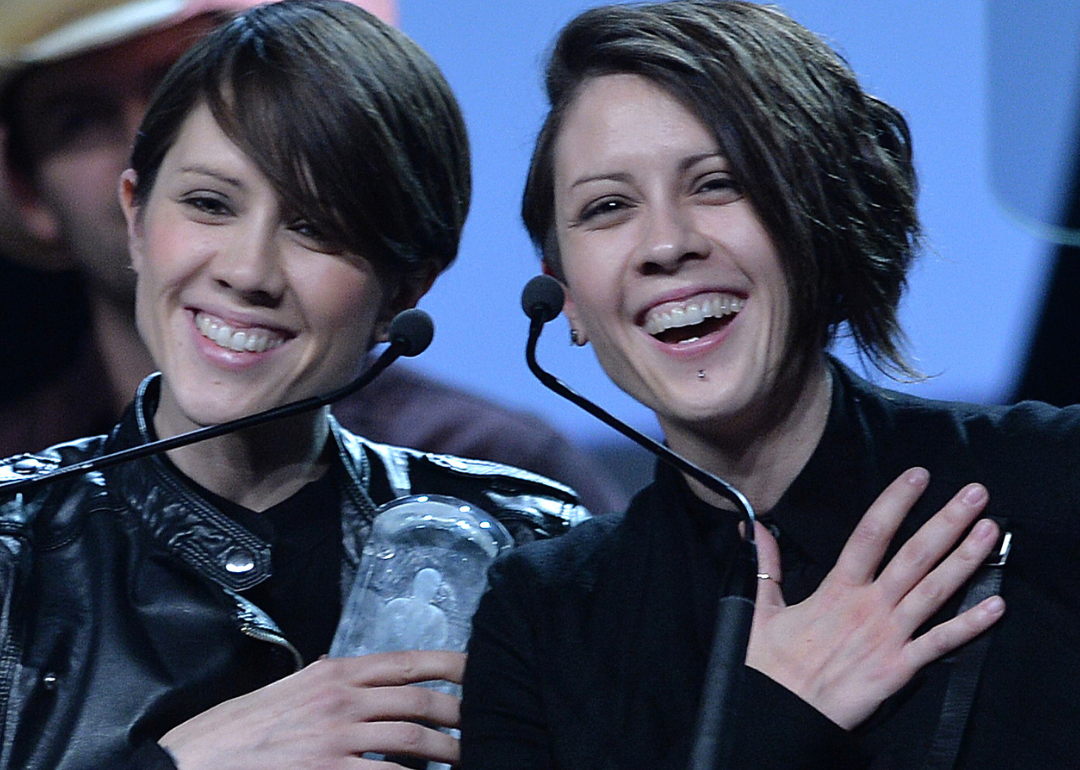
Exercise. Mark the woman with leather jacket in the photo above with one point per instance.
(302, 175)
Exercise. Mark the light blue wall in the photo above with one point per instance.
(973, 295)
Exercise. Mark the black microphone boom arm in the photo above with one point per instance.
(714, 740)
(410, 334)
(542, 301)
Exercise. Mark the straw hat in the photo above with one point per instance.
(37, 31)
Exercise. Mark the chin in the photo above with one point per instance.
(209, 406)
(704, 411)
(202, 414)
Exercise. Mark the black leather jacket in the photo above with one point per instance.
(120, 613)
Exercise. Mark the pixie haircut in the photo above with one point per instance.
(352, 123)
(827, 167)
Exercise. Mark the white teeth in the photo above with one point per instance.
(678, 315)
(250, 340)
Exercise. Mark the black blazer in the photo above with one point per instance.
(589, 651)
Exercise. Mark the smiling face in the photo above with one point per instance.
(669, 270)
(242, 305)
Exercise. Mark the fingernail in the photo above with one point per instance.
(974, 494)
(984, 529)
(918, 477)
(995, 605)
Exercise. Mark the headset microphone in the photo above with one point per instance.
(542, 300)
(410, 334)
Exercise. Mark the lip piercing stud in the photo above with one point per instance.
(701, 374)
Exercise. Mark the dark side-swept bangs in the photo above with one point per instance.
(353, 124)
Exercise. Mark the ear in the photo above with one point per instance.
(126, 192)
(413, 287)
(569, 309)
(405, 295)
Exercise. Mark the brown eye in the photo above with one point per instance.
(316, 239)
(606, 206)
(720, 187)
(207, 204)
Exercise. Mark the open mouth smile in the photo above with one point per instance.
(241, 340)
(690, 320)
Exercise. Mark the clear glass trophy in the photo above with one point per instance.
(421, 575)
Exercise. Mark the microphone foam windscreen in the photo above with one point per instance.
(542, 298)
(411, 331)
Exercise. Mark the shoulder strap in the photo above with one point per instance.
(967, 665)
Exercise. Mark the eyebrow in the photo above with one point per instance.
(616, 177)
(685, 164)
(693, 160)
(213, 173)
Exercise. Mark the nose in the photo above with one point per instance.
(249, 265)
(669, 239)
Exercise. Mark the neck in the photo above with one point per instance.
(762, 461)
(123, 353)
(261, 466)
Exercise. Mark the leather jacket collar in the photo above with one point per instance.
(191, 527)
